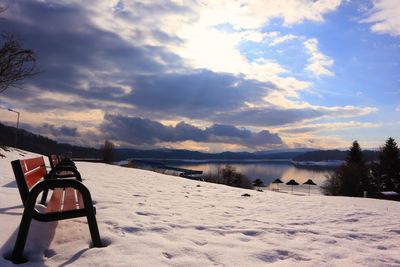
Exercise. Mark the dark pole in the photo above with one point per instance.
(16, 133)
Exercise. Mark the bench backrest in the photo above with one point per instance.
(27, 173)
(54, 161)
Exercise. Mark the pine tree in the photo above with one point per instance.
(389, 165)
(355, 155)
(351, 179)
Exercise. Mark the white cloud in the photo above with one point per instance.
(282, 39)
(319, 63)
(317, 127)
(252, 14)
(385, 17)
(398, 108)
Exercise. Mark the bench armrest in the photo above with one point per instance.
(67, 162)
(54, 173)
(58, 183)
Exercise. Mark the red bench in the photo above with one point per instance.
(56, 160)
(69, 199)
(68, 167)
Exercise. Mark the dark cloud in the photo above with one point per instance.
(267, 116)
(198, 94)
(59, 133)
(140, 131)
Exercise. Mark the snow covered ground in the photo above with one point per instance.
(150, 219)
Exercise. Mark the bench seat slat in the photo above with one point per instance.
(70, 199)
(81, 205)
(54, 204)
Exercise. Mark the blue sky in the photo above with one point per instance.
(209, 75)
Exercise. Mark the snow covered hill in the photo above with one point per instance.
(150, 219)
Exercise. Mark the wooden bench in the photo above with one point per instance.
(56, 160)
(63, 168)
(69, 199)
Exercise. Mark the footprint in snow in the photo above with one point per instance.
(396, 231)
(200, 243)
(167, 255)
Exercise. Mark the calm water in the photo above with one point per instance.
(265, 171)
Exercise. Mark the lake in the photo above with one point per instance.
(266, 171)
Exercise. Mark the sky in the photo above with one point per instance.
(209, 75)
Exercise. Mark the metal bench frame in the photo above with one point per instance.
(29, 199)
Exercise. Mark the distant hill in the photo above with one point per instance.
(42, 145)
(126, 153)
(324, 155)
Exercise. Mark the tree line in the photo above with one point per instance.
(41, 144)
(357, 177)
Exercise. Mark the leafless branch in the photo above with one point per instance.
(16, 63)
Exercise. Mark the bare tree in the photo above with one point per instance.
(107, 152)
(16, 63)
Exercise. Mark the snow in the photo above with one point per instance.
(151, 219)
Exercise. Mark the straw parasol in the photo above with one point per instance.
(310, 183)
(292, 183)
(277, 182)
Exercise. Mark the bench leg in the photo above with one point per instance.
(44, 197)
(17, 254)
(94, 230)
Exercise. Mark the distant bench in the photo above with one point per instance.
(61, 159)
(69, 199)
(68, 169)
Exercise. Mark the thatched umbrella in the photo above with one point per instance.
(292, 183)
(277, 182)
(310, 183)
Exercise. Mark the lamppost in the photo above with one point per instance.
(16, 133)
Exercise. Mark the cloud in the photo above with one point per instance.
(384, 17)
(318, 63)
(283, 38)
(254, 14)
(139, 131)
(165, 60)
(318, 127)
(195, 95)
(275, 116)
(61, 133)
(266, 116)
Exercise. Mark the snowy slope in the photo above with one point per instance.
(150, 219)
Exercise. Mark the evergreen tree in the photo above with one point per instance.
(351, 179)
(389, 166)
(355, 155)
